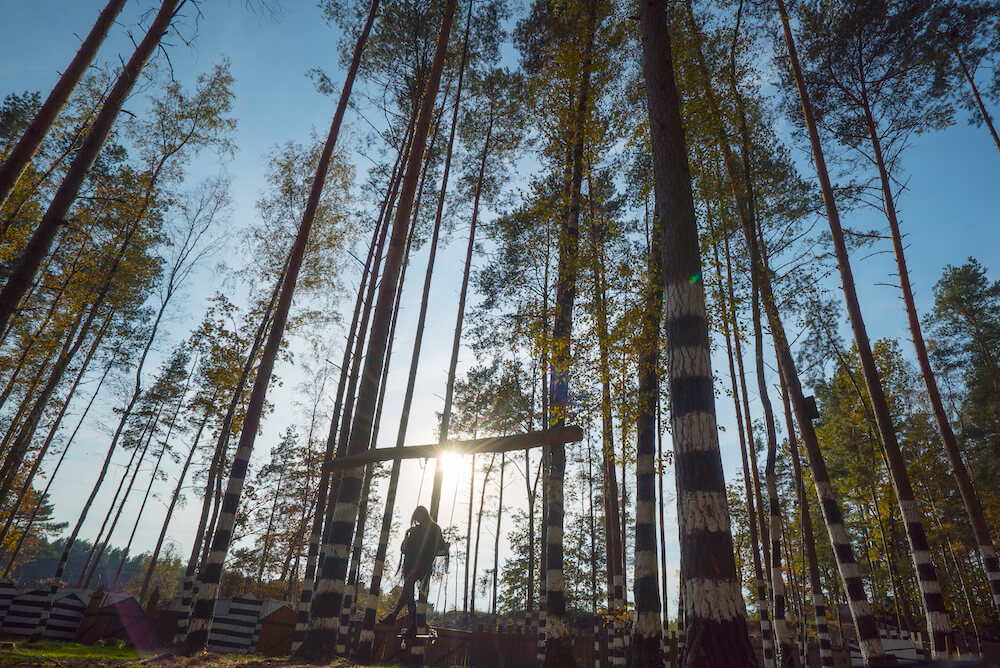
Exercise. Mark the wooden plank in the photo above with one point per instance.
(493, 444)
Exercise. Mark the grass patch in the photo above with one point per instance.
(53, 653)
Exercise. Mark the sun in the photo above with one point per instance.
(452, 465)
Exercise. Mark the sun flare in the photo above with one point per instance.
(451, 465)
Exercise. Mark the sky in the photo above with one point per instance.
(949, 211)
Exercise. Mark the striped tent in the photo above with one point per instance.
(23, 613)
(7, 593)
(235, 624)
(67, 613)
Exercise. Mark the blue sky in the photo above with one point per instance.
(949, 211)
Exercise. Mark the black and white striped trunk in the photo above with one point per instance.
(197, 635)
(937, 618)
(344, 411)
(716, 617)
(729, 318)
(330, 586)
(816, 585)
(349, 603)
(367, 638)
(647, 631)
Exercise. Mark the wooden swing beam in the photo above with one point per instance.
(493, 444)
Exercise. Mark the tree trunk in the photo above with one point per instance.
(558, 641)
(343, 406)
(979, 102)
(197, 634)
(25, 429)
(937, 617)
(647, 630)
(479, 527)
(468, 536)
(367, 633)
(29, 142)
(329, 588)
(99, 298)
(496, 536)
(44, 324)
(661, 498)
(970, 498)
(55, 215)
(728, 316)
(786, 654)
(138, 517)
(612, 516)
(715, 614)
(808, 539)
(188, 585)
(152, 479)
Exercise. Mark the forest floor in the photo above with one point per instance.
(71, 655)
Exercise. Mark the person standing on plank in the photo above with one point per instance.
(422, 543)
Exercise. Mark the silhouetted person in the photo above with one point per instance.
(423, 541)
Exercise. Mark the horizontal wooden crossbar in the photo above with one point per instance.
(492, 444)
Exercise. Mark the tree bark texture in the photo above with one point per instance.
(715, 614)
(647, 630)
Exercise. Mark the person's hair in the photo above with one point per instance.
(421, 514)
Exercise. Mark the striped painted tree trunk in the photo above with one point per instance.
(367, 632)
(743, 209)
(786, 650)
(868, 639)
(334, 447)
(345, 408)
(558, 641)
(330, 586)
(201, 536)
(808, 539)
(612, 515)
(970, 498)
(716, 618)
(542, 564)
(352, 581)
(367, 638)
(197, 634)
(938, 624)
(729, 318)
(323, 487)
(351, 588)
(661, 501)
(647, 630)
